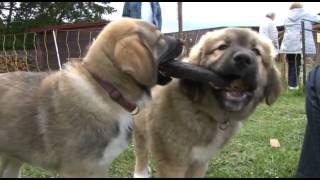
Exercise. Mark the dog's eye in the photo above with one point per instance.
(223, 47)
(256, 51)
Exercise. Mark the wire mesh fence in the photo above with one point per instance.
(43, 51)
(46, 50)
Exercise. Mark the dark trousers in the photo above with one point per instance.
(294, 63)
(309, 164)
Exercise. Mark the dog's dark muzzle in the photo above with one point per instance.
(239, 63)
(175, 48)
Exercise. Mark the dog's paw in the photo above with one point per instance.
(146, 173)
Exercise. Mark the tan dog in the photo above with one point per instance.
(188, 122)
(77, 120)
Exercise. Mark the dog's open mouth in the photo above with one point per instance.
(235, 96)
(238, 90)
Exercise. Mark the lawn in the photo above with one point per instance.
(249, 153)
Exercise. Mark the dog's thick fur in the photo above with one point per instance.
(189, 122)
(65, 121)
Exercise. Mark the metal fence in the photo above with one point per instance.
(308, 61)
(316, 58)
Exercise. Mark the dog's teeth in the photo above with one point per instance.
(214, 86)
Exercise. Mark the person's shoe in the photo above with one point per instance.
(293, 88)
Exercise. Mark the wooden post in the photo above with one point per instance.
(57, 50)
(303, 54)
(180, 22)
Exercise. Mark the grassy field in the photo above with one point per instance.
(249, 153)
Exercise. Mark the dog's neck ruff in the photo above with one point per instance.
(115, 94)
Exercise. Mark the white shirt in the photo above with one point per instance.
(146, 12)
(269, 29)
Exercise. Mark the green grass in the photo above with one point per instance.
(249, 153)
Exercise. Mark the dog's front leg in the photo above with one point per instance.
(168, 169)
(197, 170)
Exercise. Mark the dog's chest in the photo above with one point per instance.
(120, 142)
(204, 153)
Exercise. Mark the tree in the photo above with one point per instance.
(6, 11)
(19, 16)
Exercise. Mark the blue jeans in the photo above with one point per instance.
(294, 63)
(309, 164)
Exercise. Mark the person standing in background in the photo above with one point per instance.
(147, 11)
(292, 45)
(269, 30)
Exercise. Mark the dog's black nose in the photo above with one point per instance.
(242, 59)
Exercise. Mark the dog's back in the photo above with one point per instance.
(16, 127)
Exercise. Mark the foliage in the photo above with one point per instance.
(18, 16)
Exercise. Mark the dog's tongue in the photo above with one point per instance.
(235, 93)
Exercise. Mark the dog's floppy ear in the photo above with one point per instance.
(133, 58)
(274, 87)
(195, 54)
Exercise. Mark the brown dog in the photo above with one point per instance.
(188, 122)
(77, 120)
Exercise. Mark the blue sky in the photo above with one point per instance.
(198, 15)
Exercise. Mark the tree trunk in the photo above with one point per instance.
(10, 14)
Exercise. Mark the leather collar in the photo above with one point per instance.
(115, 94)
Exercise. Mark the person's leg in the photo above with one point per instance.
(309, 164)
(292, 76)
